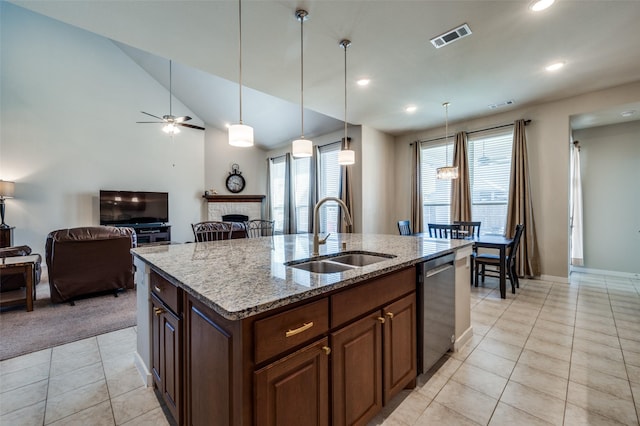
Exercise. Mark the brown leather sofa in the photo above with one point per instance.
(10, 282)
(82, 261)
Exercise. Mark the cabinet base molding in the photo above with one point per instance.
(144, 372)
(463, 339)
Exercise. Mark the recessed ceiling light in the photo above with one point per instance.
(411, 109)
(363, 82)
(555, 66)
(538, 5)
(628, 113)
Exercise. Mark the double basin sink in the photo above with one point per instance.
(339, 262)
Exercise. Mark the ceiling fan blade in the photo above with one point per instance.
(190, 125)
(150, 122)
(182, 119)
(154, 116)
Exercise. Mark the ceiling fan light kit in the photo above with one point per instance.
(302, 147)
(240, 134)
(170, 122)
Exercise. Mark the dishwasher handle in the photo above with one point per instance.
(437, 270)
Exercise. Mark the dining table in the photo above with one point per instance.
(500, 243)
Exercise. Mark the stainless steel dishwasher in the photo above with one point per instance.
(436, 309)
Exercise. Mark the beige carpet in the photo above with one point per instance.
(51, 325)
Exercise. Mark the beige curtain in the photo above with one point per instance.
(416, 189)
(460, 188)
(520, 209)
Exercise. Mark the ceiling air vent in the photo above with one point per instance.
(502, 104)
(451, 36)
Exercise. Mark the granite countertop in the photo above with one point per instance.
(243, 277)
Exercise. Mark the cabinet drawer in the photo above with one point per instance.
(167, 292)
(278, 333)
(352, 303)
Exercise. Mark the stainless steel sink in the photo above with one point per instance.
(322, 266)
(361, 259)
(339, 262)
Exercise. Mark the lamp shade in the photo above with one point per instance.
(240, 135)
(346, 157)
(302, 148)
(7, 189)
(447, 173)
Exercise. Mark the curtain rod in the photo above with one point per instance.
(526, 122)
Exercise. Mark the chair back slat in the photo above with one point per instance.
(404, 227)
(211, 231)
(472, 228)
(443, 231)
(259, 228)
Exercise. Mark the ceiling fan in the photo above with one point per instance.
(170, 121)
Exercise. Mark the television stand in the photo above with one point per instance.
(151, 233)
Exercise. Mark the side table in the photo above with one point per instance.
(27, 266)
(6, 236)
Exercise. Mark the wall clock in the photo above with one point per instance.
(235, 181)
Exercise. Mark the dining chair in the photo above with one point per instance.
(472, 229)
(259, 228)
(484, 259)
(443, 231)
(211, 231)
(404, 227)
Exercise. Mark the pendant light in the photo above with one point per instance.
(302, 147)
(447, 172)
(240, 134)
(346, 156)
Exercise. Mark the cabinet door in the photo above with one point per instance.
(400, 353)
(167, 356)
(295, 390)
(357, 371)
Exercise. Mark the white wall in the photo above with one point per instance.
(378, 182)
(549, 150)
(610, 171)
(70, 100)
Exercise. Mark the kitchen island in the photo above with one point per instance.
(227, 331)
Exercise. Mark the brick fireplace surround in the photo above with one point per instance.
(220, 205)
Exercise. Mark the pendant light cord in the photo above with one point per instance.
(446, 132)
(301, 17)
(345, 44)
(240, 53)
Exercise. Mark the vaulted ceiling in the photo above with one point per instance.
(503, 60)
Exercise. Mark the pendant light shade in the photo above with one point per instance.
(346, 156)
(240, 134)
(302, 147)
(447, 172)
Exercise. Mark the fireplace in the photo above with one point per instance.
(220, 207)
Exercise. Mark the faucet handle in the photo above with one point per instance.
(324, 240)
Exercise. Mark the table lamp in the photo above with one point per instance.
(7, 189)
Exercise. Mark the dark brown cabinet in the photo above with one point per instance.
(166, 350)
(400, 351)
(295, 389)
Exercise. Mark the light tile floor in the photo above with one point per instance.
(551, 354)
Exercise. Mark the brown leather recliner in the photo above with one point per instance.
(87, 260)
(10, 282)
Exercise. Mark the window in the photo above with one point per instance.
(329, 186)
(301, 190)
(436, 193)
(489, 170)
(277, 191)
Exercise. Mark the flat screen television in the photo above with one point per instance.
(132, 208)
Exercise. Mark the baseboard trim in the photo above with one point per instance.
(584, 270)
(464, 338)
(145, 374)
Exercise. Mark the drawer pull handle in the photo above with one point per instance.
(326, 349)
(390, 315)
(298, 330)
(156, 288)
(158, 311)
(381, 320)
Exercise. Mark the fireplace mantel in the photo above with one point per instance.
(234, 198)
